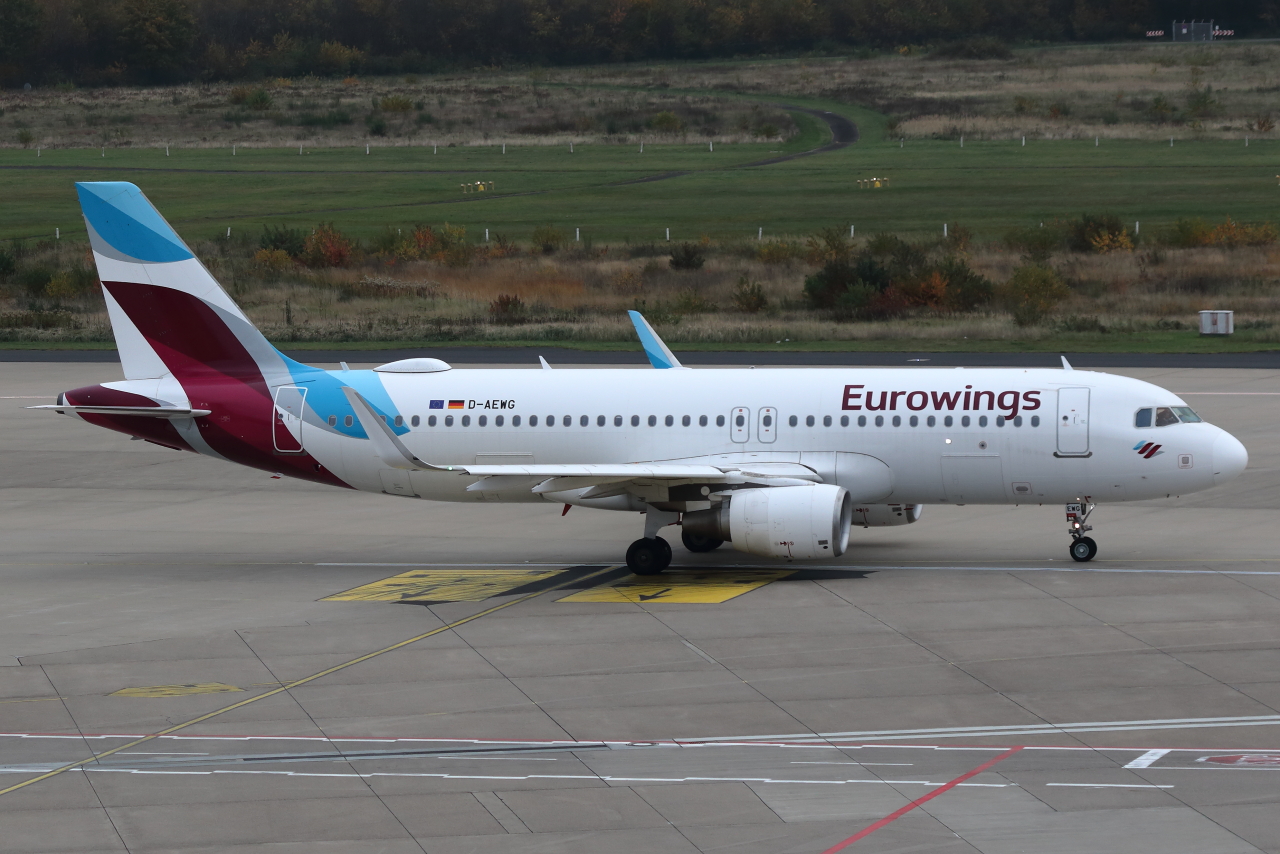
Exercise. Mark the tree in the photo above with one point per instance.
(155, 36)
(1032, 293)
(20, 24)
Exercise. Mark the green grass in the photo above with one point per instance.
(987, 186)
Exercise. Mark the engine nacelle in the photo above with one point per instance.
(785, 521)
(886, 515)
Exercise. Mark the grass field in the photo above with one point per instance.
(988, 186)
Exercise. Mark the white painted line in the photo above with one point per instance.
(698, 652)
(1147, 759)
(1026, 729)
(864, 764)
(1111, 785)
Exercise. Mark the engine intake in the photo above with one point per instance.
(787, 521)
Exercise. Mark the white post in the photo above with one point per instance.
(1171, 142)
(577, 235)
(434, 146)
(486, 235)
(1137, 226)
(504, 148)
(1246, 142)
(850, 232)
(104, 151)
(944, 229)
(299, 150)
(1024, 142)
(668, 234)
(228, 231)
(571, 148)
(962, 140)
(899, 142)
(1095, 142)
(233, 149)
(366, 148)
(57, 234)
(38, 151)
(642, 146)
(711, 146)
(166, 150)
(760, 233)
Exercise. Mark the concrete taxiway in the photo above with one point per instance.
(201, 658)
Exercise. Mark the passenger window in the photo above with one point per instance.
(653, 421)
(348, 421)
(482, 420)
(740, 420)
(635, 420)
(669, 420)
(1186, 415)
(897, 421)
(497, 421)
(686, 421)
(515, 420)
(931, 421)
(551, 421)
(584, 420)
(1017, 421)
(702, 421)
(568, 421)
(719, 420)
(948, 421)
(915, 421)
(793, 421)
(333, 421)
(1165, 417)
(964, 421)
(466, 421)
(982, 421)
(599, 420)
(808, 422)
(448, 421)
(431, 421)
(826, 421)
(533, 421)
(416, 420)
(844, 420)
(1035, 420)
(862, 421)
(617, 421)
(1142, 418)
(399, 420)
(879, 420)
(999, 420)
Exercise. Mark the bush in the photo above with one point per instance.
(273, 262)
(666, 122)
(507, 309)
(8, 264)
(779, 251)
(331, 119)
(1035, 244)
(376, 124)
(687, 256)
(748, 296)
(396, 104)
(1098, 233)
(980, 47)
(258, 99)
(1032, 293)
(966, 289)
(291, 241)
(71, 283)
(547, 239)
(327, 247)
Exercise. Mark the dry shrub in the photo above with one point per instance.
(779, 251)
(1032, 293)
(273, 262)
(327, 247)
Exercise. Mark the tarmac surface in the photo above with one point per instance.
(201, 658)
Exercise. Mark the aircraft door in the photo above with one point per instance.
(767, 430)
(740, 424)
(1073, 422)
(286, 422)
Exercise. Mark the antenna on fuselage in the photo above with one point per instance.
(545, 366)
(1066, 366)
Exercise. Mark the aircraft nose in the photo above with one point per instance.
(1229, 457)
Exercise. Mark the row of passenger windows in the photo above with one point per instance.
(687, 420)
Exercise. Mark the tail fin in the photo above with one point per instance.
(168, 313)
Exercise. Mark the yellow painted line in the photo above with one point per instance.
(443, 585)
(683, 587)
(33, 700)
(303, 681)
(176, 690)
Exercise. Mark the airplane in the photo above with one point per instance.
(780, 463)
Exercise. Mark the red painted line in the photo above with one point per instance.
(899, 813)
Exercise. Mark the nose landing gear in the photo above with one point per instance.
(1082, 548)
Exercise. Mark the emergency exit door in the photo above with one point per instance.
(740, 424)
(1073, 422)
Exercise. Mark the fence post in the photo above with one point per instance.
(668, 234)
(944, 229)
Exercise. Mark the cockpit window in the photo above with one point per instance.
(1165, 417)
(1186, 414)
(1142, 418)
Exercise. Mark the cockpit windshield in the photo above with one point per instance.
(1164, 416)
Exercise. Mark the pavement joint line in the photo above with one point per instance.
(303, 681)
(900, 812)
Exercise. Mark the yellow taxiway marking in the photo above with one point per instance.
(303, 681)
(684, 587)
(176, 690)
(443, 585)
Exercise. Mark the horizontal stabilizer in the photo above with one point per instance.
(132, 411)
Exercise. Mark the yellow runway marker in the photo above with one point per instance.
(443, 585)
(707, 587)
(176, 690)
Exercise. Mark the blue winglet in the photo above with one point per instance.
(660, 356)
(122, 216)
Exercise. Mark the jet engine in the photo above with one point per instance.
(784, 521)
(886, 515)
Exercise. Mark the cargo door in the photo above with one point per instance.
(973, 479)
(740, 424)
(1073, 422)
(286, 423)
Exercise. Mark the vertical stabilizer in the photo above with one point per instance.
(168, 313)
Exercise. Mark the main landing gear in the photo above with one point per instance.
(1082, 548)
(651, 554)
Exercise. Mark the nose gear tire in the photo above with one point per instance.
(1083, 549)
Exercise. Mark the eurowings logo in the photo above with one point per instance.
(1147, 450)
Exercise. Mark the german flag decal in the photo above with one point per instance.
(457, 404)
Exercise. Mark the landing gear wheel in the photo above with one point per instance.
(649, 557)
(1083, 549)
(699, 543)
